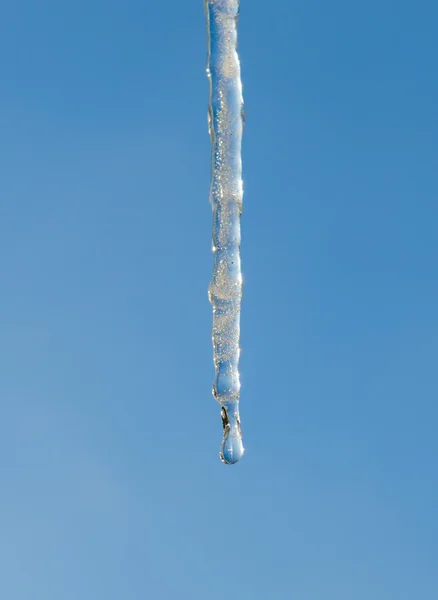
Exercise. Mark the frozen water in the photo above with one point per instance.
(226, 119)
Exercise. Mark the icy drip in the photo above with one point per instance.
(225, 291)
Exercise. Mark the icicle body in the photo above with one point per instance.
(226, 120)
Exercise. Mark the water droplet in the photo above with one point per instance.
(232, 445)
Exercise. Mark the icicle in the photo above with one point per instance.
(226, 120)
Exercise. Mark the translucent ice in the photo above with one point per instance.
(226, 119)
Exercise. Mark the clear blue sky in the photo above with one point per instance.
(111, 483)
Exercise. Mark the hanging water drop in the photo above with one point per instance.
(232, 447)
(226, 119)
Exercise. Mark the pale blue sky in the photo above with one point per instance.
(111, 483)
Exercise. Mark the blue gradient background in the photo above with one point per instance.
(111, 483)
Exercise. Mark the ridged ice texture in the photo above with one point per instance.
(225, 291)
